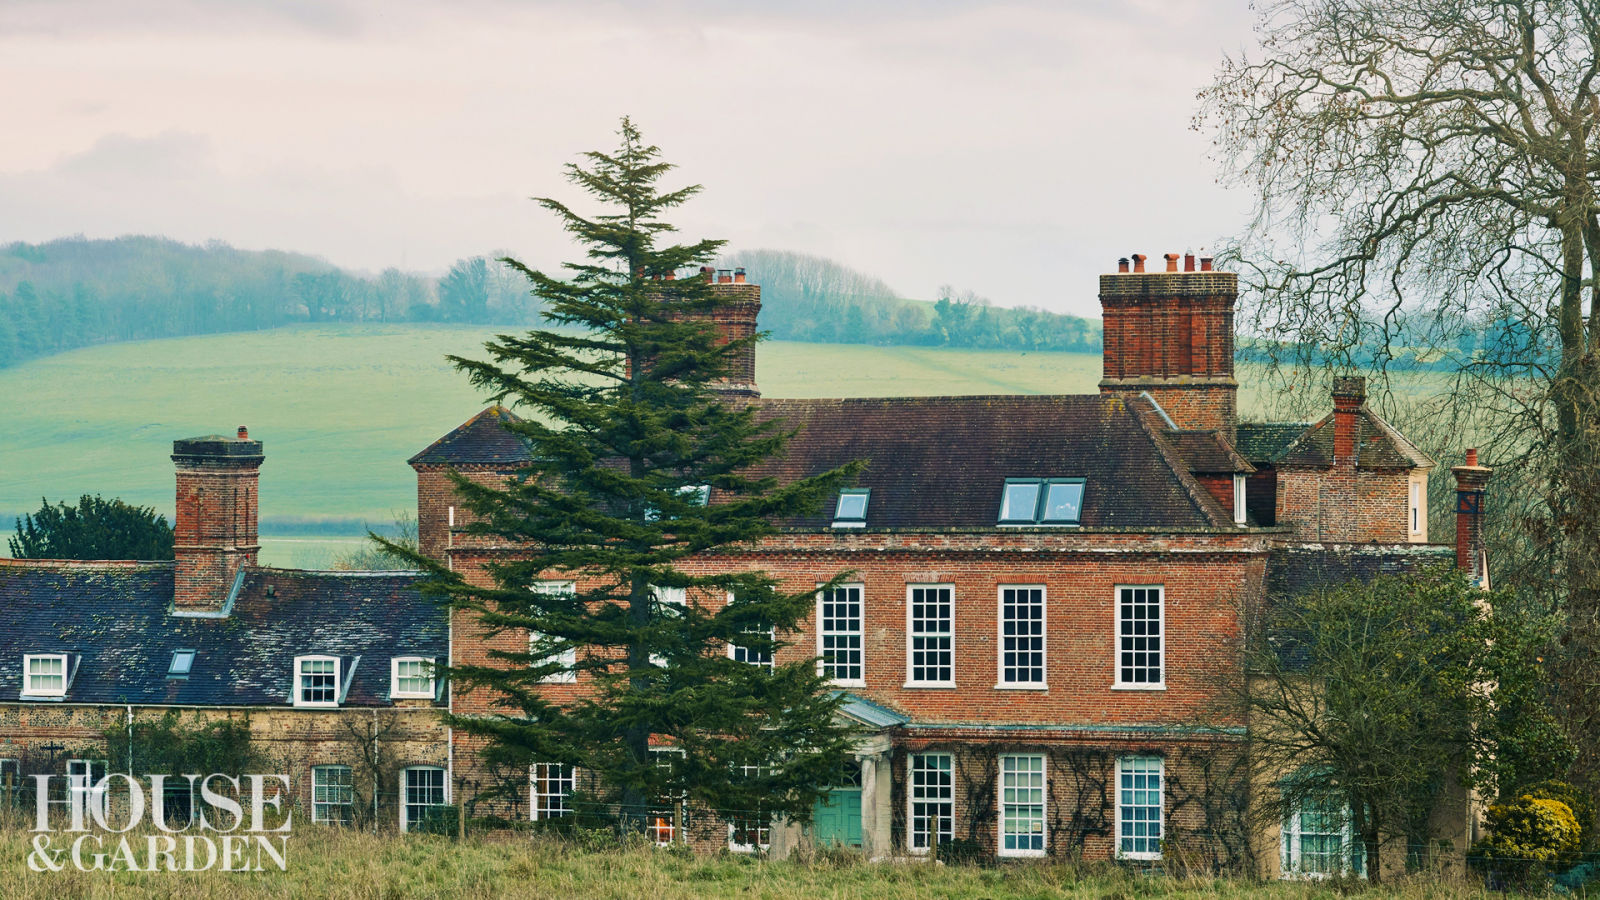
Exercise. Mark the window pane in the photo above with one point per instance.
(1139, 806)
(1062, 501)
(331, 794)
(1022, 804)
(1019, 501)
(932, 655)
(1022, 636)
(318, 681)
(553, 785)
(932, 800)
(839, 617)
(852, 506)
(752, 655)
(182, 661)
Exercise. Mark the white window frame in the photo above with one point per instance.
(838, 504)
(405, 797)
(1351, 859)
(1124, 764)
(763, 827)
(395, 693)
(299, 685)
(675, 812)
(1241, 515)
(568, 658)
(929, 795)
(734, 650)
(668, 596)
(826, 669)
(1043, 820)
(28, 690)
(562, 777)
(1414, 493)
(912, 635)
(1161, 635)
(1041, 497)
(1000, 682)
(320, 790)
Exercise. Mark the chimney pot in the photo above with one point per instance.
(1472, 456)
(1122, 265)
(708, 273)
(1205, 263)
(672, 276)
(1172, 261)
(244, 433)
(738, 275)
(1138, 262)
(1188, 262)
(724, 276)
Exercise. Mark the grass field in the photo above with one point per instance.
(341, 408)
(344, 864)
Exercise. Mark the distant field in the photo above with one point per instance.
(341, 408)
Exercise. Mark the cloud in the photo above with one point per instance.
(1015, 149)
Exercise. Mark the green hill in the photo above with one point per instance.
(341, 408)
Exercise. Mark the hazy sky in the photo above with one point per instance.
(1016, 149)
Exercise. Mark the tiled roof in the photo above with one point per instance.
(1263, 441)
(1208, 452)
(479, 441)
(941, 462)
(117, 616)
(1378, 444)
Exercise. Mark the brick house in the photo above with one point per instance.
(1046, 597)
(331, 672)
(1047, 590)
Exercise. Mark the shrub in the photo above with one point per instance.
(963, 852)
(1528, 837)
(1581, 804)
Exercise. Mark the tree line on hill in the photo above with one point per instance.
(809, 298)
(75, 292)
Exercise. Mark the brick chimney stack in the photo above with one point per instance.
(1349, 393)
(1171, 334)
(1470, 482)
(215, 533)
(738, 305)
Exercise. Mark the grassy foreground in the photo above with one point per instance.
(343, 864)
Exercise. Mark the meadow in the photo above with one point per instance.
(340, 409)
(350, 864)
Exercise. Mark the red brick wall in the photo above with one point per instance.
(435, 496)
(215, 533)
(1172, 334)
(1345, 505)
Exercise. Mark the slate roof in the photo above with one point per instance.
(941, 462)
(1378, 444)
(479, 441)
(117, 616)
(1209, 452)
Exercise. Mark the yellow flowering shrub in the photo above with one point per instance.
(1530, 830)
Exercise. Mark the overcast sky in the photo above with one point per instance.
(1015, 149)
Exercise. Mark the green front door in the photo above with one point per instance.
(837, 817)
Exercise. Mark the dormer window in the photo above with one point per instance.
(316, 681)
(851, 510)
(411, 677)
(44, 675)
(1041, 501)
(182, 662)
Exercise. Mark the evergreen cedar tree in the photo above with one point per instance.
(624, 431)
(93, 529)
(1378, 695)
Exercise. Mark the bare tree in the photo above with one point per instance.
(1425, 182)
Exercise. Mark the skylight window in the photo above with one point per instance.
(1041, 501)
(182, 662)
(851, 511)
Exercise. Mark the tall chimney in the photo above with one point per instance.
(1171, 334)
(215, 535)
(738, 305)
(1470, 482)
(1349, 393)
